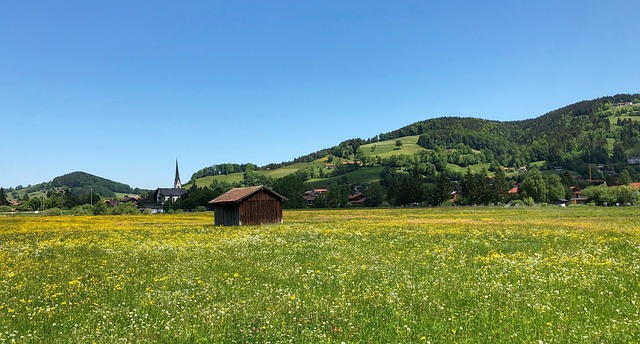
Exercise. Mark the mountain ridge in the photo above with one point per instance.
(558, 137)
(573, 136)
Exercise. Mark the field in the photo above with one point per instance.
(226, 178)
(385, 149)
(363, 175)
(277, 173)
(463, 275)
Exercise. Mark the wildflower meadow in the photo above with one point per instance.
(463, 275)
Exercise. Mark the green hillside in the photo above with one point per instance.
(633, 151)
(238, 177)
(421, 162)
(222, 178)
(599, 131)
(289, 169)
(363, 175)
(85, 183)
(385, 149)
(474, 168)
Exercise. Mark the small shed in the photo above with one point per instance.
(254, 205)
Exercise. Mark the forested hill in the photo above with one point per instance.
(573, 135)
(80, 183)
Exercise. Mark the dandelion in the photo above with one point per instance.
(501, 273)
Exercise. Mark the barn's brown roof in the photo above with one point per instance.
(237, 195)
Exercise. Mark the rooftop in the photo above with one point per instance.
(238, 194)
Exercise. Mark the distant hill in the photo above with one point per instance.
(82, 183)
(599, 131)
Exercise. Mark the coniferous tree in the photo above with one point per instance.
(500, 186)
(483, 192)
(567, 179)
(375, 195)
(3, 197)
(443, 189)
(468, 189)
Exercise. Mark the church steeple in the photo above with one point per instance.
(177, 183)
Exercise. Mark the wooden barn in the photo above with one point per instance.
(254, 205)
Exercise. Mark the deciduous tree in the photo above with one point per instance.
(534, 186)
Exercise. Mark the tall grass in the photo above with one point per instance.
(409, 275)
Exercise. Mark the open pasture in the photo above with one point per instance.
(356, 276)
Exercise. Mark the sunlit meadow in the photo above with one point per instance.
(540, 275)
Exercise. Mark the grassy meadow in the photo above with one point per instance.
(464, 275)
(385, 149)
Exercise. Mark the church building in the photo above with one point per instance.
(171, 194)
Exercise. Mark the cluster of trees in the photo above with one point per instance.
(615, 195)
(81, 183)
(54, 202)
(546, 189)
(400, 189)
(413, 188)
(221, 169)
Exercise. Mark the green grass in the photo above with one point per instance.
(477, 168)
(226, 178)
(463, 275)
(21, 193)
(363, 175)
(610, 143)
(287, 170)
(119, 195)
(385, 149)
(633, 151)
(632, 113)
(276, 173)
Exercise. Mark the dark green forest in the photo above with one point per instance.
(79, 183)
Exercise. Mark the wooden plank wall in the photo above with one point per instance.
(260, 208)
(226, 215)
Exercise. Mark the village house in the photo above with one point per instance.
(633, 160)
(454, 195)
(357, 198)
(310, 196)
(127, 199)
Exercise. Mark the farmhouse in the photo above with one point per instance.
(633, 160)
(248, 206)
(310, 196)
(357, 198)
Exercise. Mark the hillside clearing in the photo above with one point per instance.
(385, 149)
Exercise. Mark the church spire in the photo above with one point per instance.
(176, 183)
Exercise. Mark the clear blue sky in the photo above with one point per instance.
(121, 89)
